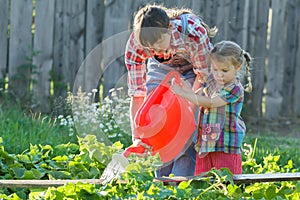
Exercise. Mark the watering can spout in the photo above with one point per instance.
(134, 149)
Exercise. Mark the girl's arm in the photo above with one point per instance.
(198, 84)
(198, 99)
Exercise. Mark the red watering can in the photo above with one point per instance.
(165, 122)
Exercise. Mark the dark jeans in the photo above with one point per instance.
(184, 165)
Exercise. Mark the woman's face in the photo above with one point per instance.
(162, 45)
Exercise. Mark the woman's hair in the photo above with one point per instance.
(151, 21)
(233, 53)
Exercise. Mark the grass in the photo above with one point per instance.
(287, 147)
(19, 129)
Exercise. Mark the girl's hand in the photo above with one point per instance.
(198, 83)
(180, 89)
(176, 89)
(202, 74)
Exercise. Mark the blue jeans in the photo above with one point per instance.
(184, 165)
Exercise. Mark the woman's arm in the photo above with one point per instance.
(135, 57)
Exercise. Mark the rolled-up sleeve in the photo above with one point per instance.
(135, 58)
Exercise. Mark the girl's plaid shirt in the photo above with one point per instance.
(228, 117)
(196, 46)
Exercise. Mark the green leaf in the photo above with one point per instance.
(53, 194)
(298, 187)
(59, 175)
(22, 173)
(32, 174)
(6, 157)
(271, 192)
(24, 159)
(252, 188)
(184, 185)
(19, 172)
(65, 149)
(37, 195)
(60, 158)
(153, 190)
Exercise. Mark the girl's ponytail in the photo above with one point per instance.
(248, 86)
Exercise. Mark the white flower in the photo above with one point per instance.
(101, 125)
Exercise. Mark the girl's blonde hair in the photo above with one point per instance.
(151, 21)
(232, 52)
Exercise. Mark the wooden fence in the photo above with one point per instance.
(45, 44)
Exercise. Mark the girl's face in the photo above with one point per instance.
(224, 72)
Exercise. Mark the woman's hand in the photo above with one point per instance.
(148, 148)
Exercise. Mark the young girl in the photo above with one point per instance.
(221, 128)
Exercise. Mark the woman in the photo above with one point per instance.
(165, 39)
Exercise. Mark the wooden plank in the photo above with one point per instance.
(59, 82)
(290, 35)
(254, 178)
(94, 24)
(296, 81)
(236, 22)
(223, 20)
(43, 183)
(208, 8)
(257, 47)
(241, 178)
(275, 67)
(43, 42)
(117, 20)
(197, 7)
(76, 38)
(19, 46)
(68, 43)
(238, 179)
(66, 59)
(3, 39)
(94, 32)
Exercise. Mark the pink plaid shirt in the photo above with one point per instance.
(195, 45)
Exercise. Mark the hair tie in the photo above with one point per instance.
(242, 52)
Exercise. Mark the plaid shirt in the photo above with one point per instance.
(222, 128)
(195, 48)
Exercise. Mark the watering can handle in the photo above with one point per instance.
(168, 77)
(134, 149)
